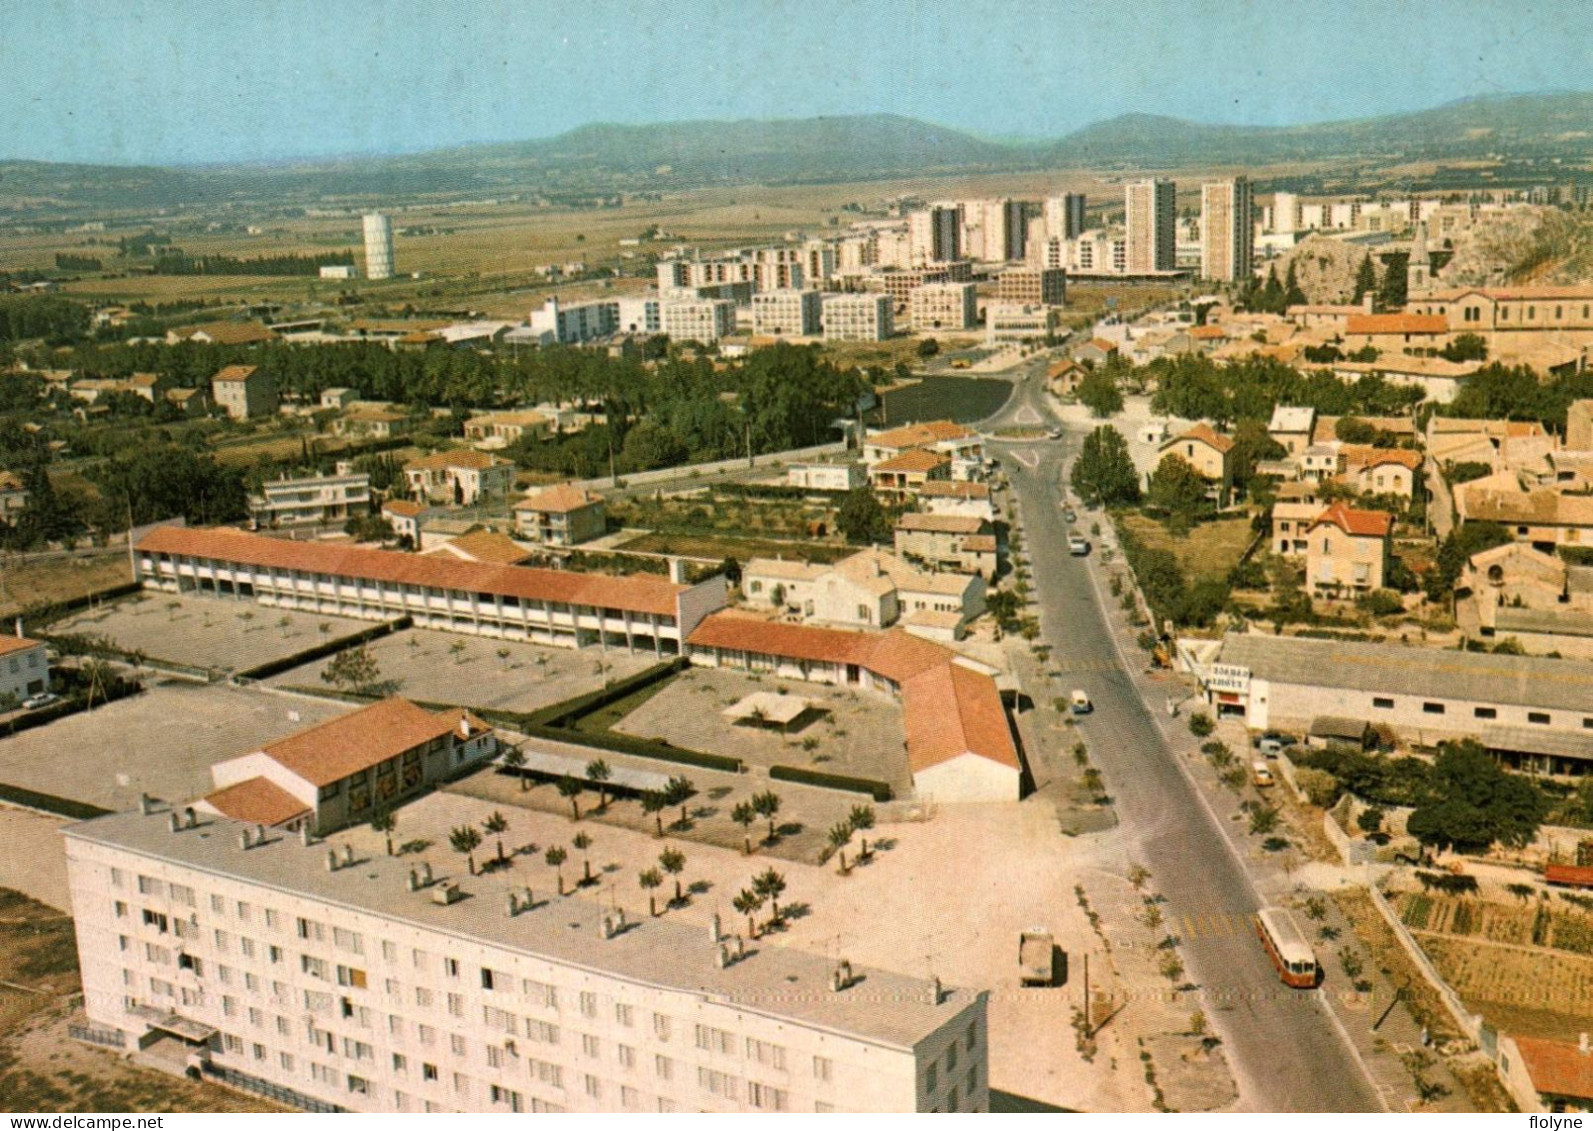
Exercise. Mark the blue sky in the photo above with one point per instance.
(187, 81)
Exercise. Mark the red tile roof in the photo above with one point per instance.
(914, 459)
(482, 546)
(1205, 435)
(467, 458)
(562, 499)
(921, 435)
(949, 489)
(406, 507)
(358, 741)
(1359, 524)
(259, 801)
(638, 594)
(1557, 1068)
(232, 373)
(229, 333)
(949, 711)
(942, 523)
(1396, 324)
(1208, 333)
(1568, 874)
(10, 644)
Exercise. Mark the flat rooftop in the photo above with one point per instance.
(881, 1007)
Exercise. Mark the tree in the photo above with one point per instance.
(731, 569)
(861, 518)
(514, 758)
(928, 348)
(457, 651)
(1099, 393)
(650, 881)
(747, 903)
(597, 772)
(1456, 550)
(673, 861)
(496, 825)
(653, 805)
(465, 840)
(1263, 819)
(862, 819)
(1104, 473)
(503, 658)
(570, 787)
(556, 856)
(744, 814)
(1271, 298)
(1354, 430)
(1370, 820)
(583, 844)
(770, 884)
(383, 821)
(1365, 280)
(1466, 347)
(678, 791)
(1475, 803)
(1292, 294)
(1179, 490)
(767, 806)
(1391, 292)
(354, 669)
(840, 835)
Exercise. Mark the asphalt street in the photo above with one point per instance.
(1284, 1045)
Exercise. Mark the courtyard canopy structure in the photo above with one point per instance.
(959, 742)
(543, 606)
(767, 708)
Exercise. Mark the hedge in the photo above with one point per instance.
(118, 688)
(638, 747)
(50, 611)
(567, 712)
(324, 649)
(61, 806)
(879, 790)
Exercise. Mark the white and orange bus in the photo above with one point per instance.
(1290, 953)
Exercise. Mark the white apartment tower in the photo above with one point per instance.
(787, 313)
(1064, 215)
(280, 965)
(858, 318)
(1227, 233)
(934, 234)
(378, 246)
(1150, 216)
(943, 306)
(697, 320)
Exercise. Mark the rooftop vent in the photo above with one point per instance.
(613, 922)
(446, 894)
(841, 977)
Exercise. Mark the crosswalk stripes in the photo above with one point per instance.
(1086, 665)
(1222, 924)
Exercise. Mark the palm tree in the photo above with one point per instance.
(556, 857)
(673, 861)
(747, 903)
(583, 842)
(862, 819)
(840, 836)
(383, 821)
(570, 788)
(496, 824)
(284, 623)
(654, 803)
(514, 758)
(649, 880)
(503, 658)
(678, 792)
(456, 650)
(597, 772)
(767, 806)
(465, 840)
(770, 884)
(744, 814)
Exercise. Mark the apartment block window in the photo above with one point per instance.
(273, 920)
(1432, 708)
(931, 1079)
(765, 1053)
(765, 1098)
(625, 1014)
(119, 878)
(423, 997)
(456, 1005)
(972, 1035)
(1541, 718)
(1587, 723)
(428, 1072)
(626, 1055)
(389, 951)
(663, 1067)
(1484, 713)
(451, 967)
(457, 1043)
(588, 1004)
(218, 905)
(823, 1066)
(594, 1087)
(661, 1022)
(590, 1046)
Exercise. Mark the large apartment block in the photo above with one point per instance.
(697, 320)
(558, 607)
(1033, 286)
(858, 318)
(1227, 233)
(943, 306)
(786, 314)
(1150, 216)
(378, 986)
(312, 499)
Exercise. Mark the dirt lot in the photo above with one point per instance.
(207, 632)
(853, 732)
(25, 583)
(447, 667)
(162, 742)
(1210, 550)
(41, 1068)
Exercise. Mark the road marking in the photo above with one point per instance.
(1027, 459)
(1027, 415)
(1087, 666)
(1221, 924)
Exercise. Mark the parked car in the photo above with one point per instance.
(43, 699)
(1070, 514)
(1053, 433)
(1080, 703)
(1261, 774)
(1274, 743)
(1078, 547)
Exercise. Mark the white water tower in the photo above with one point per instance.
(378, 246)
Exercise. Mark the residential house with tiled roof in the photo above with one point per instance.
(904, 475)
(483, 546)
(1206, 450)
(958, 542)
(1347, 551)
(500, 429)
(872, 588)
(406, 517)
(223, 334)
(565, 515)
(957, 442)
(959, 741)
(346, 769)
(245, 392)
(460, 477)
(566, 608)
(1380, 471)
(24, 669)
(1561, 1071)
(1291, 426)
(1395, 333)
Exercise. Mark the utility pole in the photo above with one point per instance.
(1088, 1021)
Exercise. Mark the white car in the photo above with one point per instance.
(43, 699)
(1078, 547)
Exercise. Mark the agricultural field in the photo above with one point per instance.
(717, 547)
(46, 579)
(1527, 922)
(1210, 550)
(715, 524)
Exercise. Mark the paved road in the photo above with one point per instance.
(1284, 1046)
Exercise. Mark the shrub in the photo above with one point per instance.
(1320, 787)
(1200, 724)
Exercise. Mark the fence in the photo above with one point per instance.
(706, 470)
(274, 1092)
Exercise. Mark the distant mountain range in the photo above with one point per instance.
(602, 159)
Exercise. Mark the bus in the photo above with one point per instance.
(1285, 942)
